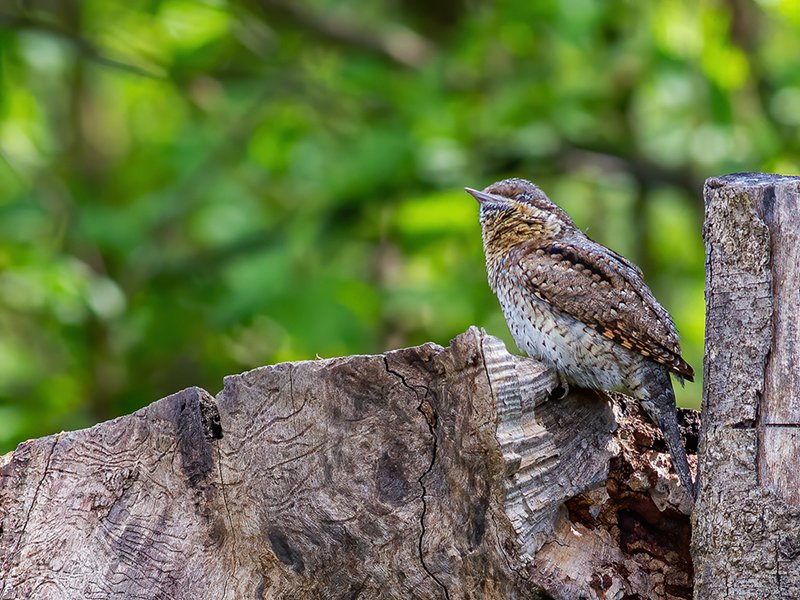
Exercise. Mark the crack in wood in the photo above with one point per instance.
(30, 510)
(432, 428)
(485, 367)
(224, 495)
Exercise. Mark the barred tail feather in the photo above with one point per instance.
(660, 407)
(668, 423)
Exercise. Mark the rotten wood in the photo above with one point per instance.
(423, 473)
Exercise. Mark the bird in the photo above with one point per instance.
(580, 308)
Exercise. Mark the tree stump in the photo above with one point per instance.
(427, 472)
(746, 541)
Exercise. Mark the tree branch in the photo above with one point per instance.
(81, 45)
(396, 43)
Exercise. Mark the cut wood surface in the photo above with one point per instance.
(746, 541)
(427, 472)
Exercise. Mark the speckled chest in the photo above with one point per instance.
(574, 349)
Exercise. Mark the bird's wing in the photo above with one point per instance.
(605, 291)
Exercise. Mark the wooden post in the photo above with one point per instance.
(746, 537)
(430, 472)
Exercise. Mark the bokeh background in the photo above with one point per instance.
(192, 189)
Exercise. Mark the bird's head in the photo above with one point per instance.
(515, 211)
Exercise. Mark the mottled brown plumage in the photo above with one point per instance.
(579, 306)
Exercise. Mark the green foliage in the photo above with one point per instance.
(191, 189)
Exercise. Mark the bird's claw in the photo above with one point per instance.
(561, 390)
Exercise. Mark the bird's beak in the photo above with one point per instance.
(481, 197)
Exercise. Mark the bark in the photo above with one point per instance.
(746, 540)
(427, 472)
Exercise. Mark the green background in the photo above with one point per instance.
(192, 189)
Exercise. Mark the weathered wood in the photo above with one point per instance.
(746, 540)
(422, 473)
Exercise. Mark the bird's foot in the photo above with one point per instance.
(561, 390)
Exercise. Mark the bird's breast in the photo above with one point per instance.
(564, 343)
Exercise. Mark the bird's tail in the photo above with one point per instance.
(660, 407)
(668, 423)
